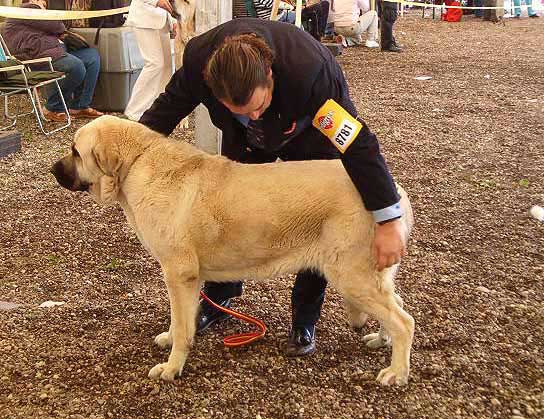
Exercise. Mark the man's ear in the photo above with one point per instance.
(107, 158)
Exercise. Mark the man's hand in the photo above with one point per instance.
(389, 244)
(165, 4)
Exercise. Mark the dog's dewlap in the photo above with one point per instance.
(337, 125)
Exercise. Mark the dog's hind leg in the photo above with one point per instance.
(381, 339)
(362, 293)
(183, 287)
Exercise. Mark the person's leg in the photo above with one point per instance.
(149, 83)
(387, 20)
(517, 8)
(74, 70)
(369, 23)
(307, 299)
(287, 16)
(351, 34)
(83, 94)
(308, 293)
(530, 10)
(167, 70)
(312, 14)
(478, 12)
(323, 16)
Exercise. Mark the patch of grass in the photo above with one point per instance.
(486, 183)
(53, 259)
(114, 264)
(524, 183)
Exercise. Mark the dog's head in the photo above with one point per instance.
(97, 162)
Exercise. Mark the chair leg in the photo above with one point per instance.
(8, 116)
(36, 106)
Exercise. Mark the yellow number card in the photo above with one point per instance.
(337, 124)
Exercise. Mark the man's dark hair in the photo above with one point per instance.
(240, 65)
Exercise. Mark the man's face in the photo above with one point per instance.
(258, 102)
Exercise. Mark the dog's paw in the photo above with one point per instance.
(164, 340)
(375, 341)
(388, 376)
(163, 372)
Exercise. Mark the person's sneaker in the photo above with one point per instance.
(534, 15)
(209, 315)
(54, 116)
(301, 341)
(371, 44)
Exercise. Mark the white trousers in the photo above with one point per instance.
(367, 22)
(154, 45)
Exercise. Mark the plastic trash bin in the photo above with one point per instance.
(120, 65)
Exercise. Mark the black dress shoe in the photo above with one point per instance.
(208, 315)
(301, 341)
(392, 47)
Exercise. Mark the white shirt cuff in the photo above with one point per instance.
(388, 213)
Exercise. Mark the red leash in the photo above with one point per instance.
(241, 338)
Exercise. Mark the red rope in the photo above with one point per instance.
(241, 338)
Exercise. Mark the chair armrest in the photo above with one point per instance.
(40, 60)
(37, 60)
(11, 68)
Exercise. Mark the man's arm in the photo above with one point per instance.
(362, 159)
(177, 101)
(367, 169)
(53, 27)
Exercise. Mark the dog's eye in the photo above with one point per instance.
(75, 153)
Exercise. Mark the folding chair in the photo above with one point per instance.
(16, 77)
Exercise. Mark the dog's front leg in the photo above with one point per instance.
(183, 294)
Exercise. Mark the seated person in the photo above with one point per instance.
(351, 19)
(30, 39)
(314, 14)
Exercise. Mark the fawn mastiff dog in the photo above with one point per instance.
(207, 218)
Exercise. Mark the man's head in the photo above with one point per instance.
(239, 73)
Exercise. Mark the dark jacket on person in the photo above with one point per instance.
(29, 39)
(305, 76)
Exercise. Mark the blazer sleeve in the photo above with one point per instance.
(362, 160)
(177, 101)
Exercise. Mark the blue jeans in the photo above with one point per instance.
(478, 12)
(81, 68)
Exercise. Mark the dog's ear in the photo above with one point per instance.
(109, 162)
(107, 158)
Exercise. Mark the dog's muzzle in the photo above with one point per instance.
(65, 173)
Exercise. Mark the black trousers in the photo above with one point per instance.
(319, 14)
(388, 17)
(308, 293)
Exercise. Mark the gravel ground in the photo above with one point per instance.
(467, 145)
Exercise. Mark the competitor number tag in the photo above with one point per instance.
(337, 125)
